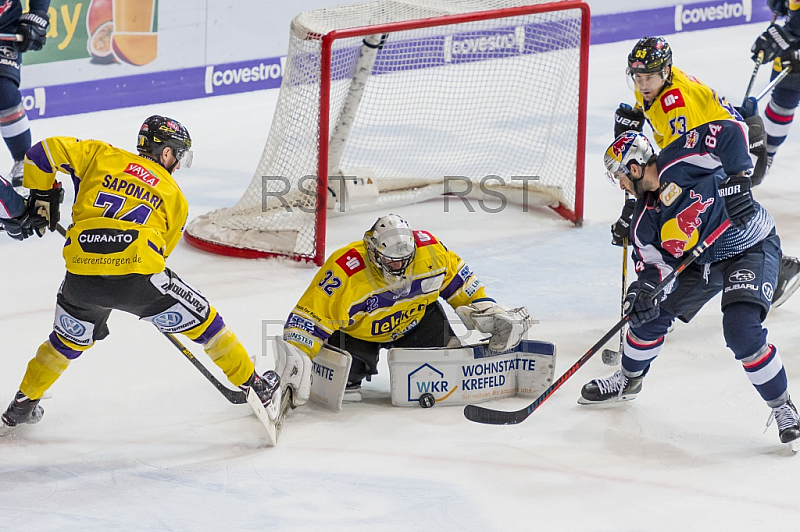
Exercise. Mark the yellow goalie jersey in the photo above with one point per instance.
(128, 213)
(682, 106)
(349, 294)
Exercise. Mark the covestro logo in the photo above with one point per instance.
(703, 15)
(226, 75)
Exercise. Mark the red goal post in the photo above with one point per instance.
(416, 99)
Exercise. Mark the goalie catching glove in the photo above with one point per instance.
(506, 326)
(294, 367)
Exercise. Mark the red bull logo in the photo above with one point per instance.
(680, 234)
(619, 146)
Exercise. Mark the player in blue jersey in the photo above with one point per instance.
(15, 218)
(682, 195)
(32, 26)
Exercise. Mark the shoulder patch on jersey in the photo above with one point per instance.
(670, 194)
(141, 173)
(351, 262)
(691, 139)
(424, 238)
(672, 99)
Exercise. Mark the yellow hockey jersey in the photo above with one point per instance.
(349, 294)
(128, 213)
(682, 106)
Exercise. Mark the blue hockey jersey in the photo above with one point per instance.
(687, 208)
(12, 205)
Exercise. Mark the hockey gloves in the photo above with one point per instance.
(506, 326)
(24, 226)
(779, 7)
(738, 200)
(626, 118)
(33, 28)
(770, 44)
(45, 205)
(641, 304)
(620, 230)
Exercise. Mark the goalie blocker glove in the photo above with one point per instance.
(622, 227)
(626, 118)
(738, 200)
(771, 43)
(506, 326)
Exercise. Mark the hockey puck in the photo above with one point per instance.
(426, 400)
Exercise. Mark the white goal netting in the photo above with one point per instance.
(396, 101)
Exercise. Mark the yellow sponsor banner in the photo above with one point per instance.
(102, 31)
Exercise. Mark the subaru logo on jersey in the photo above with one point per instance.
(71, 325)
(168, 319)
(105, 241)
(768, 291)
(8, 52)
(741, 276)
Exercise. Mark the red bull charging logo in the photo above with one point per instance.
(680, 234)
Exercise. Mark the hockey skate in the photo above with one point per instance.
(788, 424)
(352, 393)
(15, 174)
(21, 410)
(788, 280)
(613, 389)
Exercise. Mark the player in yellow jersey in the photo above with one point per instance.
(127, 218)
(383, 292)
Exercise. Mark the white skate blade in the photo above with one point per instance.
(608, 402)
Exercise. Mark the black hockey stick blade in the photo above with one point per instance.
(488, 416)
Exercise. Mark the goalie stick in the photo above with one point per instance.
(479, 414)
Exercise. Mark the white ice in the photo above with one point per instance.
(135, 439)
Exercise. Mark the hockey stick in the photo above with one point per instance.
(236, 397)
(785, 72)
(611, 357)
(758, 62)
(10, 37)
(489, 416)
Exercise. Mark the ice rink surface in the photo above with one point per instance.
(135, 439)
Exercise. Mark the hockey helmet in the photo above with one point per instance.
(158, 132)
(630, 147)
(651, 54)
(390, 246)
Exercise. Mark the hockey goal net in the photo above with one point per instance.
(396, 101)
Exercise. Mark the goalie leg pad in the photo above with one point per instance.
(470, 374)
(294, 367)
(329, 372)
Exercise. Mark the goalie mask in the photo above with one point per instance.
(391, 247)
(159, 132)
(630, 147)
